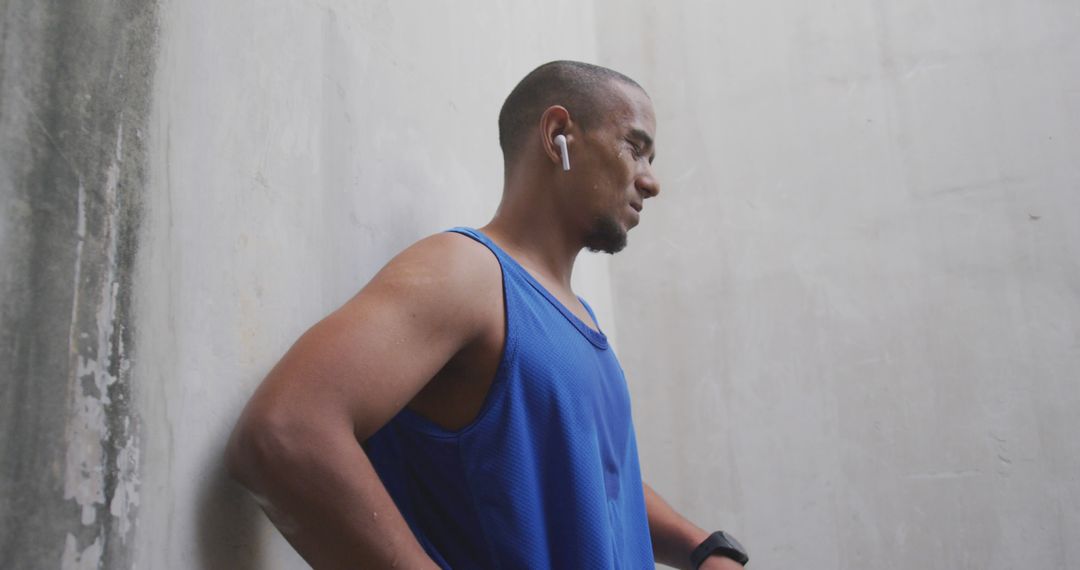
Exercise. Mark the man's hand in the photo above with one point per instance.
(716, 562)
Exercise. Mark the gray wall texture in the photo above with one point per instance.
(75, 83)
(850, 320)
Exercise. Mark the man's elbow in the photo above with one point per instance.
(260, 444)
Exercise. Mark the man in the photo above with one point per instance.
(464, 410)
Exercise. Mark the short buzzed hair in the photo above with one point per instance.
(580, 87)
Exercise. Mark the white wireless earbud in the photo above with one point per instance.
(561, 141)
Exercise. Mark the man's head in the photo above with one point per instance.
(584, 89)
(608, 121)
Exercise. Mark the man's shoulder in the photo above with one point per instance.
(450, 251)
(450, 242)
(445, 281)
(446, 264)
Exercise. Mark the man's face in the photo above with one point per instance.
(617, 170)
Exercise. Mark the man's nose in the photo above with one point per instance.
(648, 185)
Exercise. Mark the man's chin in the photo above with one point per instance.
(607, 236)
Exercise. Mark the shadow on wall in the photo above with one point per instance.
(228, 520)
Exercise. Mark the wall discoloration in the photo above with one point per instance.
(860, 288)
(74, 100)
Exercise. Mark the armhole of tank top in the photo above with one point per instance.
(498, 383)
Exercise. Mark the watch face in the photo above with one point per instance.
(734, 543)
(722, 544)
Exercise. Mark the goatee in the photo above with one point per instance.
(606, 235)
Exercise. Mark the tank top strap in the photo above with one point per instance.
(504, 258)
(589, 309)
(510, 268)
(523, 278)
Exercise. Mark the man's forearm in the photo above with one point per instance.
(326, 499)
(673, 536)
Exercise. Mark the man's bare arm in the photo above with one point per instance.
(674, 537)
(296, 446)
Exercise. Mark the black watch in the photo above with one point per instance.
(720, 543)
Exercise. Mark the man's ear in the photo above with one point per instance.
(555, 121)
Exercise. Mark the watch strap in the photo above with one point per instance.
(718, 543)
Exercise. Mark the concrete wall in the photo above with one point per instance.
(297, 147)
(75, 80)
(851, 318)
(849, 321)
(165, 241)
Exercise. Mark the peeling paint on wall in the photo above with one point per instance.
(88, 435)
(86, 559)
(74, 81)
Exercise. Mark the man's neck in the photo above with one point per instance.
(537, 239)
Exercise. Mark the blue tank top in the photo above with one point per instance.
(547, 474)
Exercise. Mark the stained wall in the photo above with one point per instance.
(848, 321)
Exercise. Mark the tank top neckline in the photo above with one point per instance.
(595, 336)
